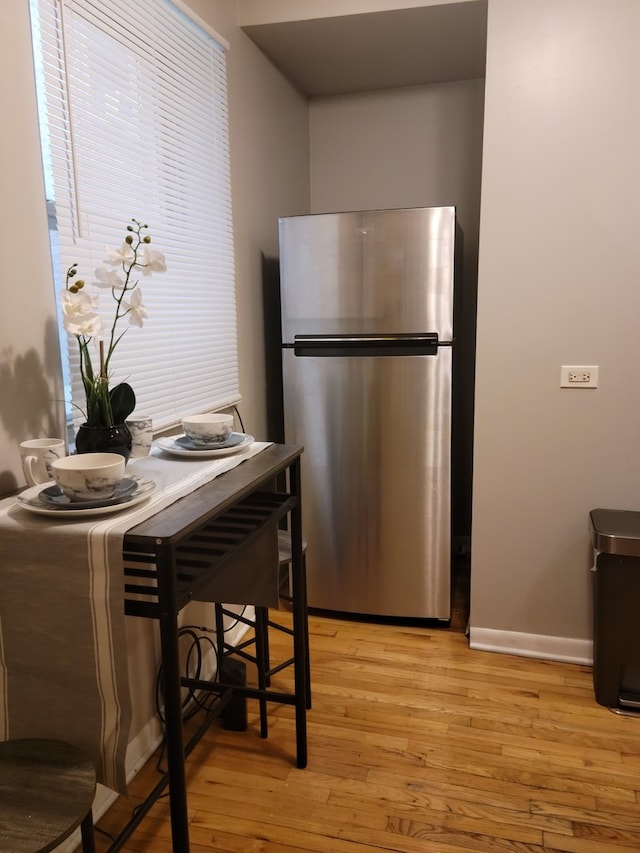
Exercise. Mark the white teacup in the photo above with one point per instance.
(89, 476)
(207, 430)
(141, 429)
(37, 455)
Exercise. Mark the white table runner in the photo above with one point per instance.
(63, 660)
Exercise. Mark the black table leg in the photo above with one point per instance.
(300, 628)
(167, 600)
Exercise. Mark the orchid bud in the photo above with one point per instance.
(128, 239)
(146, 238)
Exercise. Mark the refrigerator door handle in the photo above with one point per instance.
(420, 343)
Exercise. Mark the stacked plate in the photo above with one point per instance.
(180, 445)
(51, 500)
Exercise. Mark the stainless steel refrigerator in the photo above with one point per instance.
(367, 339)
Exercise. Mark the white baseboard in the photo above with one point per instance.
(532, 645)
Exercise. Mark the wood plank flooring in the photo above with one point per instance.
(418, 745)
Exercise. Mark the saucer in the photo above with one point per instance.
(236, 443)
(230, 441)
(31, 500)
(54, 496)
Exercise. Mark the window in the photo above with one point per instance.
(134, 124)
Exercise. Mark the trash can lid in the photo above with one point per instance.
(615, 531)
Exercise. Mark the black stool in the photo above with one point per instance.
(46, 791)
(260, 639)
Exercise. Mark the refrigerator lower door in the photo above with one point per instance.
(376, 479)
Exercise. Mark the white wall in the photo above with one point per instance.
(269, 128)
(558, 284)
(29, 357)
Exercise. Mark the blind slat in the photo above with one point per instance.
(147, 121)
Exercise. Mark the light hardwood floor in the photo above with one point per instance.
(416, 744)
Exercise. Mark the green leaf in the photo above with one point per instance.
(123, 402)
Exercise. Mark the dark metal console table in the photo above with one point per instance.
(219, 543)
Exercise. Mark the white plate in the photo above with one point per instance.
(170, 445)
(232, 440)
(54, 496)
(30, 500)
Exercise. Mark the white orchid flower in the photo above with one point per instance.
(108, 278)
(78, 316)
(151, 261)
(77, 307)
(117, 257)
(81, 318)
(91, 327)
(134, 308)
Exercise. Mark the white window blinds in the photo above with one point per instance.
(134, 124)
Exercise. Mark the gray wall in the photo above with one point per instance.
(558, 261)
(419, 146)
(558, 284)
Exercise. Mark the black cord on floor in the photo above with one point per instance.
(236, 622)
(200, 644)
(193, 665)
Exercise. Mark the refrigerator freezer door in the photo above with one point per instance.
(367, 272)
(376, 512)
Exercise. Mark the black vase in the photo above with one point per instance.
(111, 439)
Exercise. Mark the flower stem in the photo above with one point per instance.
(127, 269)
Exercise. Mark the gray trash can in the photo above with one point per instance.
(615, 535)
